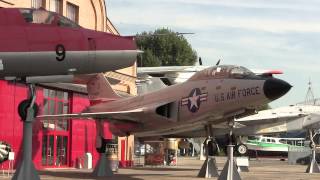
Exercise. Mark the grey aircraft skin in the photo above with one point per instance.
(283, 119)
(211, 96)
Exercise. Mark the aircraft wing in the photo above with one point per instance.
(169, 69)
(119, 116)
(164, 70)
(269, 118)
(243, 126)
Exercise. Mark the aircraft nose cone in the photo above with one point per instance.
(274, 88)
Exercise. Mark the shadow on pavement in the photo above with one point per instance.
(83, 175)
(163, 169)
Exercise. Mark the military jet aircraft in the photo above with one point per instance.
(35, 42)
(211, 96)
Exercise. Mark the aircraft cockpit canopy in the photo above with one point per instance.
(39, 16)
(224, 71)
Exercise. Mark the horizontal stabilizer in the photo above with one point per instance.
(169, 69)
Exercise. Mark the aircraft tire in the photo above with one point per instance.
(311, 145)
(5, 148)
(242, 149)
(102, 147)
(23, 108)
(212, 148)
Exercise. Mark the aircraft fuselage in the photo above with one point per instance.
(191, 104)
(42, 43)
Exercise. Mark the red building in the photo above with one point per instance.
(55, 143)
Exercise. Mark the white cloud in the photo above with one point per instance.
(166, 15)
(259, 4)
(281, 34)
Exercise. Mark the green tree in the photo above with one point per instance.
(164, 47)
(264, 107)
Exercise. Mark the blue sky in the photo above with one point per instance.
(258, 34)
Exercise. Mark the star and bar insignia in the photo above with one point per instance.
(194, 100)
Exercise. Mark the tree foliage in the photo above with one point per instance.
(264, 107)
(164, 47)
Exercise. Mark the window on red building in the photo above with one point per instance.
(55, 102)
(55, 6)
(38, 3)
(73, 12)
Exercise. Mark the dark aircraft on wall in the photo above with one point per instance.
(35, 42)
(38, 46)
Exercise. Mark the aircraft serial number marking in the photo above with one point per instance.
(237, 94)
(61, 52)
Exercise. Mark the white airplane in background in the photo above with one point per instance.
(283, 119)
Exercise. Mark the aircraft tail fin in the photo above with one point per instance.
(100, 90)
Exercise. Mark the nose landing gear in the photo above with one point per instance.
(230, 172)
(27, 111)
(209, 168)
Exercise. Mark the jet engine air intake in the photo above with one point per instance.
(168, 110)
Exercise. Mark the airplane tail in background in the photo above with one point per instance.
(100, 90)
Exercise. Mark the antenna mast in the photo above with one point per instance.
(309, 100)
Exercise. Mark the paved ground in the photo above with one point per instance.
(264, 169)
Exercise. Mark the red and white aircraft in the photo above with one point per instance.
(35, 42)
(37, 46)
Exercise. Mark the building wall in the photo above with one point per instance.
(82, 139)
(83, 132)
(92, 14)
(11, 127)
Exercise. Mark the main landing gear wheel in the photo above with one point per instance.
(23, 108)
(212, 148)
(101, 145)
(312, 144)
(242, 149)
(209, 168)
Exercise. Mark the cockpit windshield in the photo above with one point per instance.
(65, 22)
(224, 71)
(38, 16)
(240, 72)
